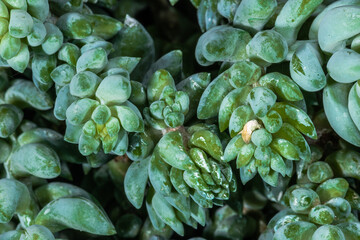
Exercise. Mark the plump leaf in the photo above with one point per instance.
(135, 181)
(75, 213)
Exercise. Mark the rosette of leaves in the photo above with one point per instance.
(75, 21)
(168, 106)
(187, 175)
(96, 97)
(325, 207)
(24, 26)
(340, 97)
(287, 17)
(172, 98)
(263, 120)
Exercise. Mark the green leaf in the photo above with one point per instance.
(337, 26)
(142, 45)
(297, 10)
(179, 202)
(172, 151)
(93, 60)
(10, 119)
(227, 8)
(198, 213)
(216, 91)
(69, 53)
(171, 62)
(284, 87)
(21, 61)
(209, 142)
(53, 40)
(261, 100)
(221, 43)
(295, 230)
(41, 161)
(301, 200)
(136, 179)
(345, 163)
(42, 65)
(248, 172)
(285, 148)
(63, 101)
(129, 116)
(291, 134)
(351, 230)
(194, 86)
(9, 46)
(38, 9)
(15, 198)
(232, 148)
(55, 190)
(254, 15)
(159, 174)
(267, 47)
(21, 23)
(74, 25)
(35, 232)
(75, 213)
(234, 99)
(157, 83)
(114, 89)
(335, 99)
(245, 155)
(84, 84)
(296, 117)
(332, 188)
(177, 180)
(207, 14)
(167, 214)
(80, 111)
(319, 172)
(24, 94)
(156, 221)
(104, 26)
(306, 69)
(239, 118)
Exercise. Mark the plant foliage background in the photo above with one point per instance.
(180, 119)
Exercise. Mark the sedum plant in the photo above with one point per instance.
(106, 142)
(24, 26)
(322, 206)
(187, 175)
(29, 156)
(96, 97)
(262, 111)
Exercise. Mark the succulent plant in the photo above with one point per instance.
(95, 95)
(187, 175)
(260, 114)
(24, 25)
(322, 208)
(120, 119)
